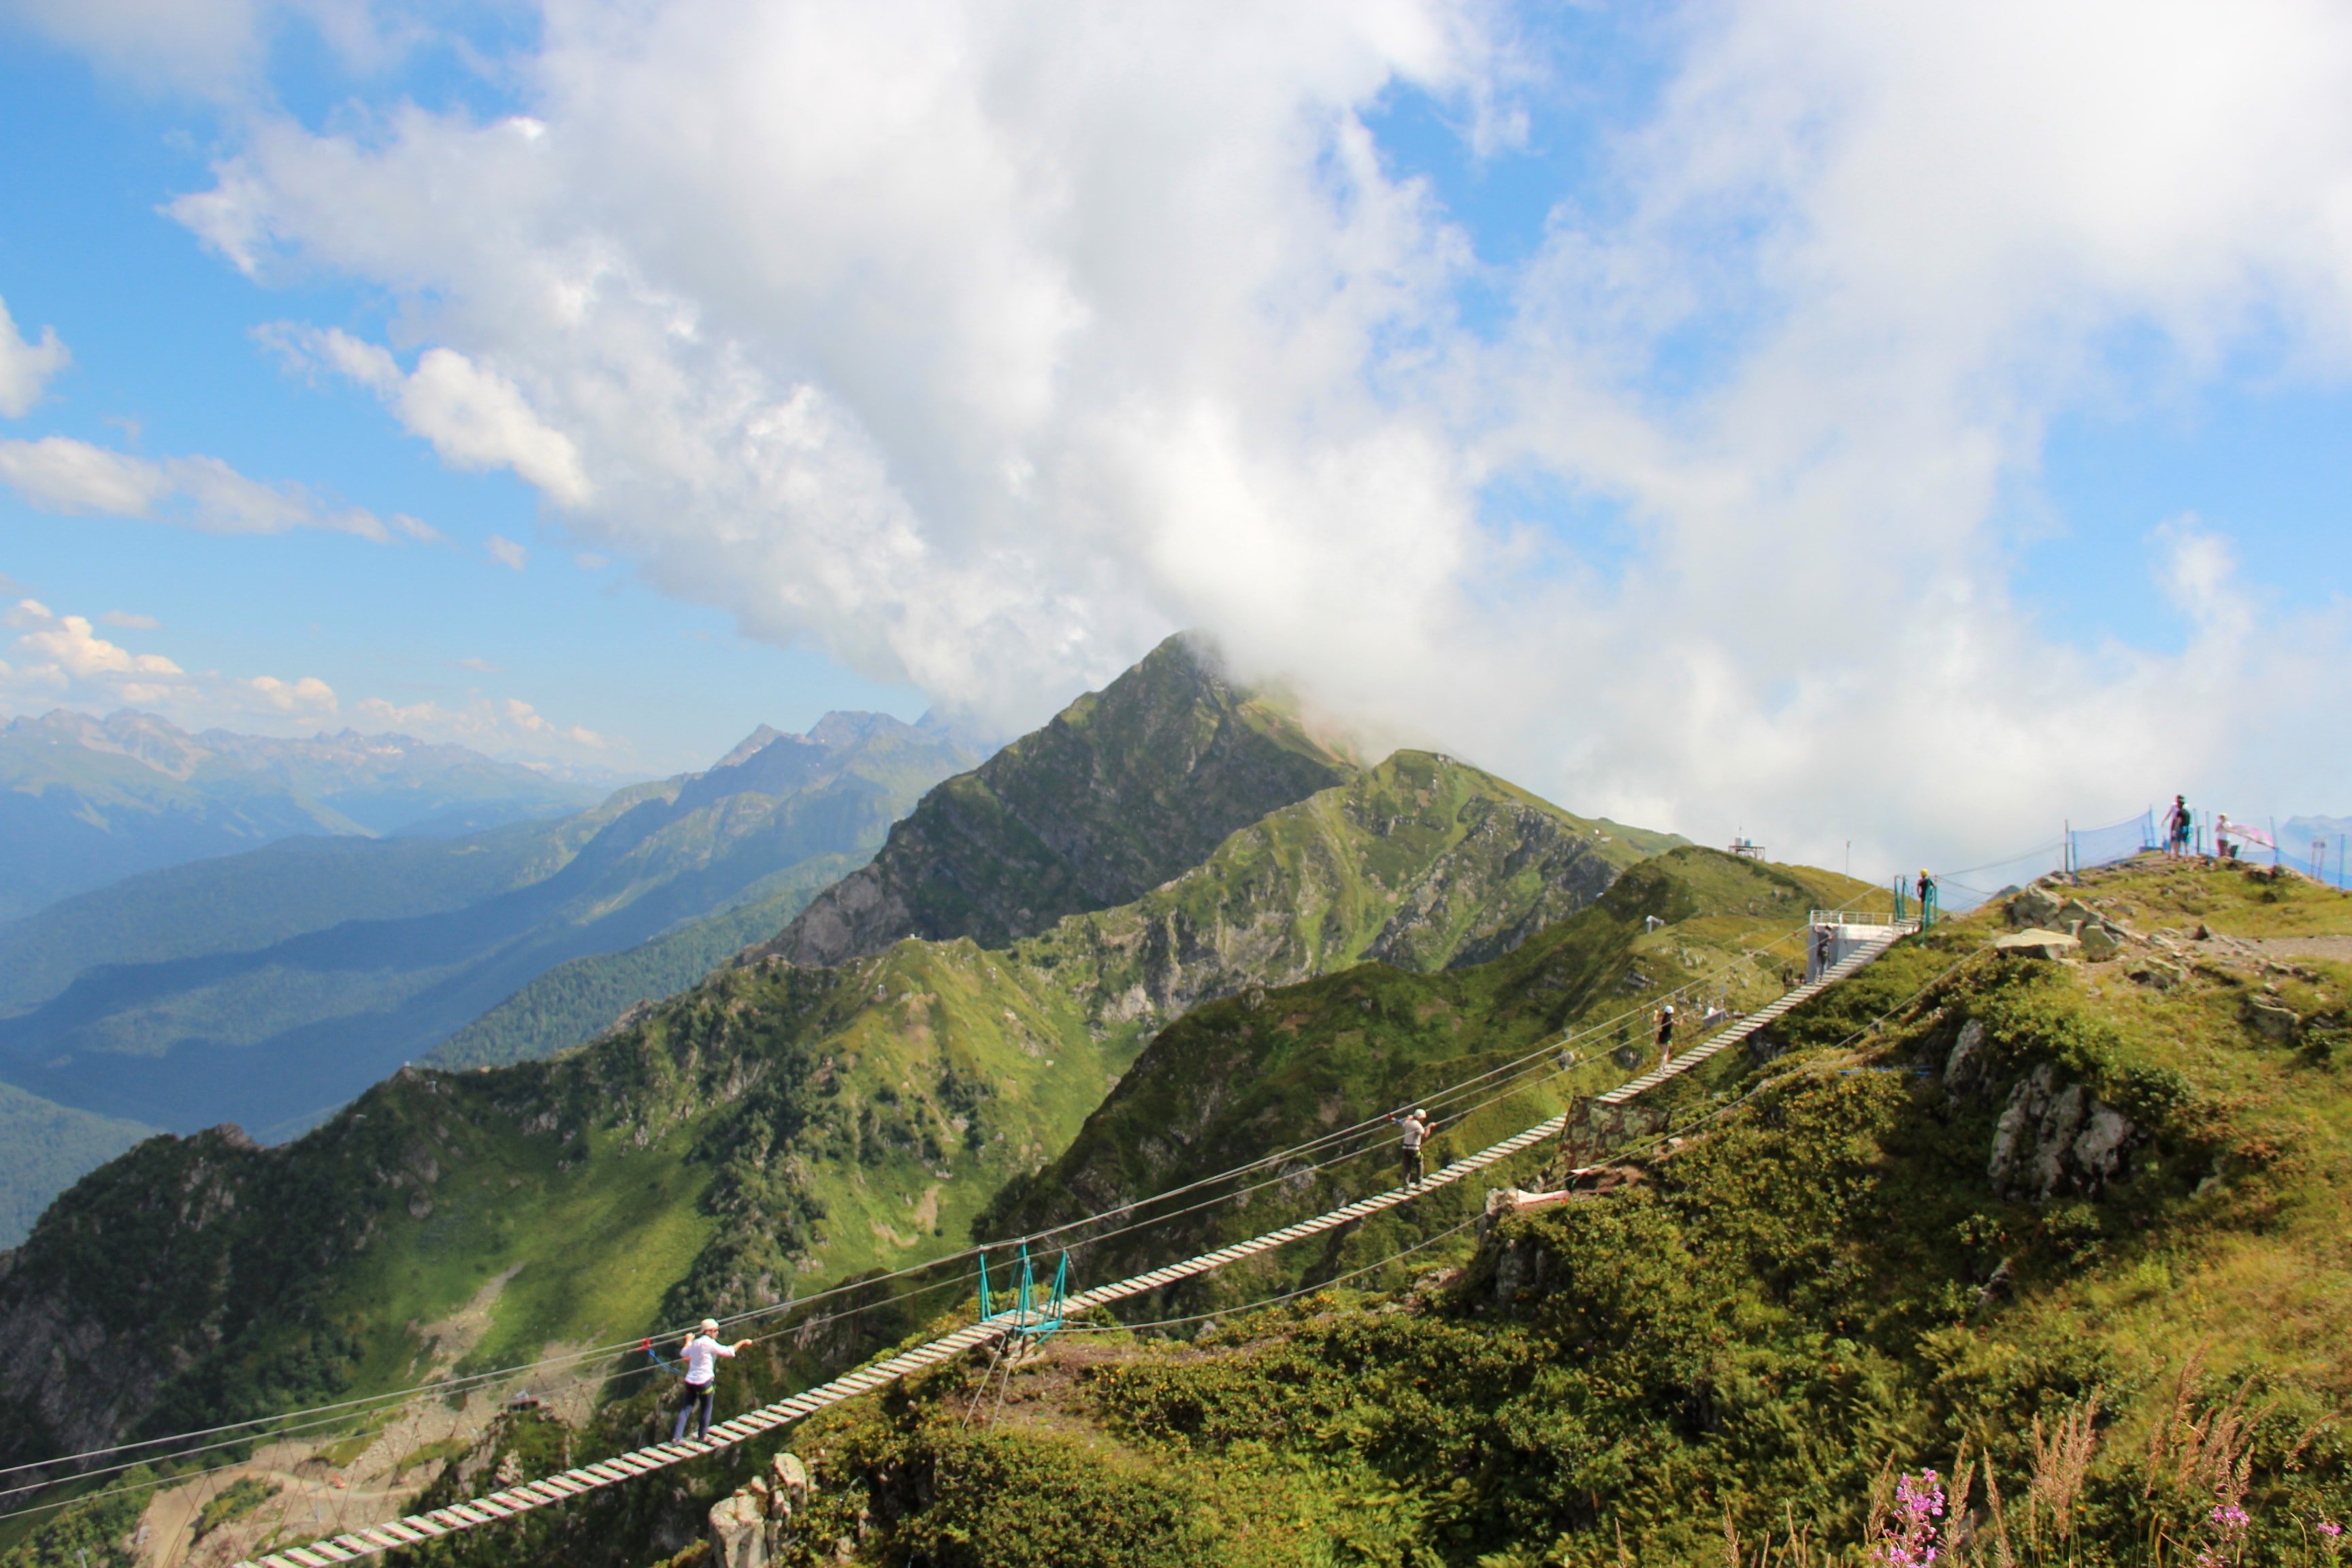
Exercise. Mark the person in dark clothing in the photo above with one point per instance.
(2179, 824)
(1665, 1034)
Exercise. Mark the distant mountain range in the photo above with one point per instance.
(268, 988)
(86, 802)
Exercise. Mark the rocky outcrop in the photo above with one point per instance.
(750, 1527)
(2035, 943)
(2057, 926)
(2055, 1138)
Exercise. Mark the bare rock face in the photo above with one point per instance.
(2055, 1138)
(750, 1527)
(1965, 1065)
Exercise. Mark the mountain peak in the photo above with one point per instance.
(758, 741)
(1123, 789)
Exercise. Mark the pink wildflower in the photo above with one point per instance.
(1910, 1538)
(2230, 1518)
(2330, 1529)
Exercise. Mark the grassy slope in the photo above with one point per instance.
(1257, 1073)
(1422, 861)
(1822, 1282)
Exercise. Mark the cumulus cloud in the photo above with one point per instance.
(25, 366)
(506, 552)
(475, 417)
(129, 621)
(981, 345)
(59, 474)
(62, 660)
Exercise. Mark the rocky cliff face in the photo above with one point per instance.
(1124, 789)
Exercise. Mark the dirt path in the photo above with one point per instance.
(2336, 949)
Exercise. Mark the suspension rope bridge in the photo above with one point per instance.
(1027, 1317)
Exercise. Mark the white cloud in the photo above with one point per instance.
(506, 552)
(475, 417)
(130, 622)
(27, 366)
(502, 726)
(308, 695)
(981, 344)
(59, 474)
(217, 47)
(60, 661)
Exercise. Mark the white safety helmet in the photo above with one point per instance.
(710, 1325)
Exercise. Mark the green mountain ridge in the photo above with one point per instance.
(776, 1127)
(1124, 789)
(191, 1000)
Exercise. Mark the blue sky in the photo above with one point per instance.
(1572, 387)
(162, 335)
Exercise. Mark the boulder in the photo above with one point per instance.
(2099, 942)
(2035, 906)
(2273, 1018)
(2056, 1137)
(2159, 973)
(2073, 916)
(2035, 941)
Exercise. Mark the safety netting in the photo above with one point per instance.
(2327, 860)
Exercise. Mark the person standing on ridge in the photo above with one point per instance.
(1415, 1123)
(2177, 823)
(701, 1353)
(1926, 892)
(1665, 1034)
